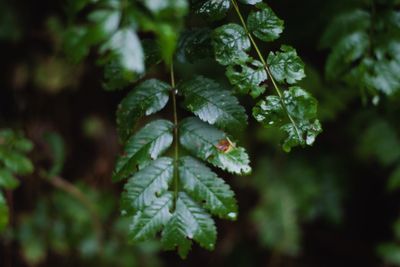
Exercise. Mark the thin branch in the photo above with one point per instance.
(176, 134)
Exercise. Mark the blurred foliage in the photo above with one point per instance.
(13, 161)
(293, 192)
(286, 200)
(61, 225)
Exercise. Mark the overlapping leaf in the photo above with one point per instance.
(147, 144)
(210, 144)
(248, 77)
(213, 104)
(204, 185)
(231, 44)
(145, 224)
(264, 24)
(189, 221)
(125, 46)
(286, 65)
(144, 186)
(146, 99)
(302, 108)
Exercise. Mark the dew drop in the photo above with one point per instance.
(271, 122)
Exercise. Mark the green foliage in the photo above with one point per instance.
(13, 161)
(303, 128)
(147, 144)
(232, 44)
(292, 193)
(145, 99)
(213, 104)
(167, 192)
(113, 27)
(61, 224)
(364, 51)
(264, 24)
(248, 78)
(212, 9)
(210, 144)
(286, 65)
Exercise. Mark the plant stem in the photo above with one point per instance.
(275, 85)
(176, 134)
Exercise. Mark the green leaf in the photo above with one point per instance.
(248, 77)
(147, 98)
(345, 24)
(204, 185)
(301, 106)
(125, 46)
(114, 76)
(231, 44)
(15, 161)
(147, 144)
(348, 50)
(264, 24)
(189, 221)
(286, 65)
(7, 180)
(195, 45)
(145, 224)
(213, 9)
(211, 103)
(3, 213)
(105, 21)
(144, 186)
(212, 145)
(305, 134)
(383, 76)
